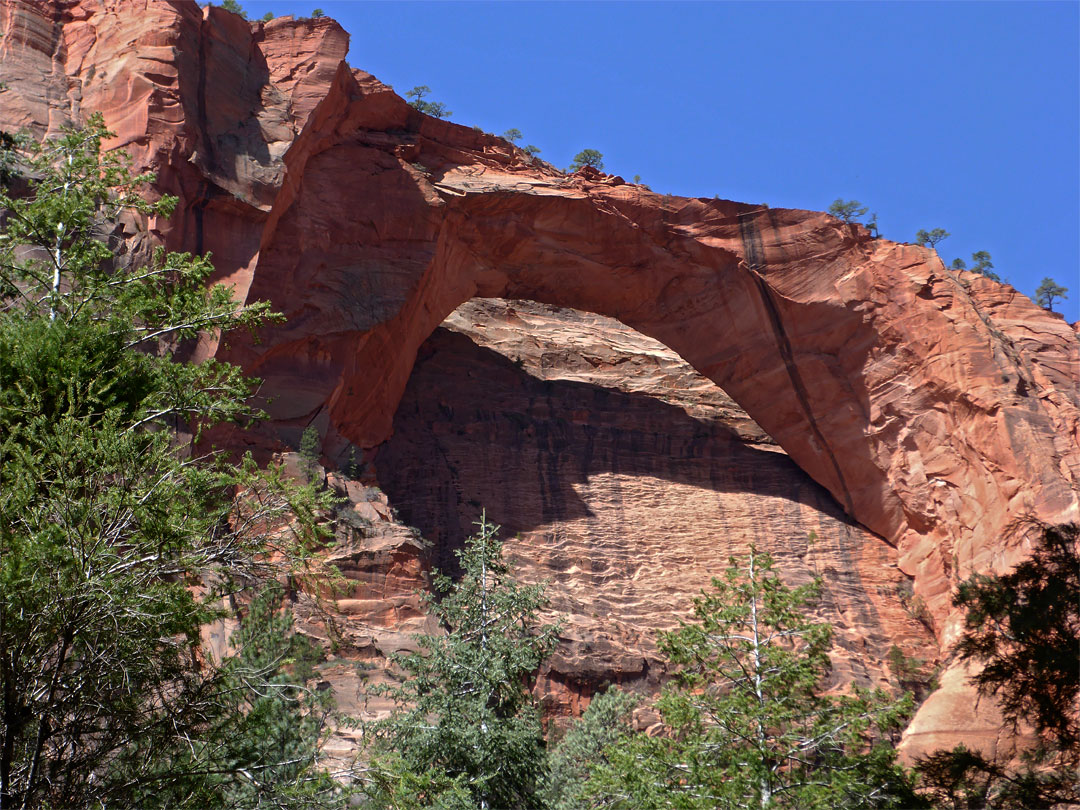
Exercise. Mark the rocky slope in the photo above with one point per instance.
(934, 408)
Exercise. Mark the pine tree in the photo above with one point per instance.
(116, 544)
(436, 109)
(1047, 291)
(745, 723)
(1024, 629)
(587, 157)
(932, 237)
(581, 751)
(466, 733)
(849, 210)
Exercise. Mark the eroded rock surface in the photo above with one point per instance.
(935, 407)
(626, 480)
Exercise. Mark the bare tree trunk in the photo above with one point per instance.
(43, 723)
(765, 784)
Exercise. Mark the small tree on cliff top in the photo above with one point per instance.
(848, 210)
(587, 157)
(1047, 291)
(746, 725)
(931, 238)
(435, 109)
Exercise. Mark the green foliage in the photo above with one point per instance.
(266, 718)
(267, 17)
(466, 733)
(512, 135)
(107, 524)
(903, 668)
(1024, 628)
(587, 157)
(9, 146)
(53, 254)
(310, 448)
(572, 760)
(962, 779)
(234, 7)
(433, 108)
(317, 13)
(746, 725)
(531, 150)
(848, 210)
(931, 238)
(1047, 291)
(982, 265)
(872, 226)
(911, 673)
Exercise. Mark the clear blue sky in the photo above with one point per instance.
(960, 115)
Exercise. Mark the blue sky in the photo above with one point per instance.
(959, 115)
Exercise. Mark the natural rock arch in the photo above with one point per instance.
(905, 390)
(883, 375)
(937, 407)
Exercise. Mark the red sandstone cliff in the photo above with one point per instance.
(934, 407)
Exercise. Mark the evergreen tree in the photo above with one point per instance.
(983, 265)
(587, 157)
(436, 109)
(872, 226)
(310, 449)
(1024, 628)
(116, 545)
(264, 738)
(582, 750)
(849, 210)
(467, 733)
(234, 7)
(931, 238)
(746, 725)
(1047, 291)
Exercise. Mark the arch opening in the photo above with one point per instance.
(625, 479)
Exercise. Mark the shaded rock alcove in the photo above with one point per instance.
(624, 480)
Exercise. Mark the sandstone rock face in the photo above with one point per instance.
(626, 480)
(935, 407)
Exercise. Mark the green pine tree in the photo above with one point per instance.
(467, 732)
(436, 109)
(746, 724)
(1047, 291)
(116, 545)
(932, 237)
(572, 760)
(849, 210)
(587, 157)
(1024, 629)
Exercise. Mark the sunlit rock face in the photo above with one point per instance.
(935, 408)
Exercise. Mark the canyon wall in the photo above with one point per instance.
(920, 412)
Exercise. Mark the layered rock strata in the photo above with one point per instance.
(935, 407)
